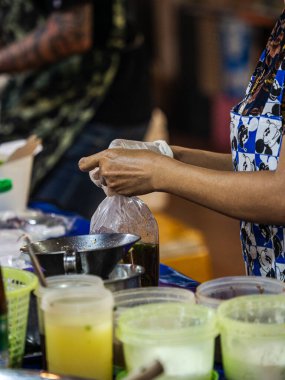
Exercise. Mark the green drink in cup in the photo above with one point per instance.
(214, 292)
(253, 337)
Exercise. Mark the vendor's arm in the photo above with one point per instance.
(136, 172)
(65, 32)
(203, 158)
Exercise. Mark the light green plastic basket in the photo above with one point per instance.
(18, 286)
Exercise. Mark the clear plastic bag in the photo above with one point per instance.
(131, 215)
(158, 146)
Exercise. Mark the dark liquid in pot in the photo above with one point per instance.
(146, 255)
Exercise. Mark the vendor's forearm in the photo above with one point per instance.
(64, 33)
(202, 158)
(229, 193)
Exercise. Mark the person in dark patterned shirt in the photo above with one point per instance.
(78, 79)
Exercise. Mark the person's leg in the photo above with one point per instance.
(66, 186)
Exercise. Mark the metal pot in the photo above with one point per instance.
(124, 276)
(95, 254)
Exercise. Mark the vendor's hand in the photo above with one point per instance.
(127, 171)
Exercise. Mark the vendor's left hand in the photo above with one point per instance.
(127, 171)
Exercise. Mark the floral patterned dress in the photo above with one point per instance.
(257, 128)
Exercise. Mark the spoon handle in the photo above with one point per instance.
(147, 373)
(35, 262)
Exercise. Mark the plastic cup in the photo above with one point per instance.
(60, 282)
(253, 337)
(130, 298)
(139, 296)
(212, 293)
(180, 335)
(78, 329)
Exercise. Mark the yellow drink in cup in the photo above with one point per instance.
(78, 330)
(61, 282)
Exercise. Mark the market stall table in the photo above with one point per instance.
(168, 276)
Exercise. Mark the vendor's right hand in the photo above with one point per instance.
(128, 171)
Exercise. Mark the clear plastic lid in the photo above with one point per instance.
(250, 316)
(170, 322)
(70, 281)
(77, 300)
(212, 293)
(140, 296)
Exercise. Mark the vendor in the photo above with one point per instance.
(247, 185)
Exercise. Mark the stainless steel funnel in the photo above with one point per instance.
(95, 254)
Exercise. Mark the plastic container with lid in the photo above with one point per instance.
(64, 282)
(253, 337)
(61, 283)
(78, 331)
(180, 335)
(213, 292)
(129, 298)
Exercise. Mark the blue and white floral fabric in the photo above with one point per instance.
(257, 127)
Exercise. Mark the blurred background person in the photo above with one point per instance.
(78, 78)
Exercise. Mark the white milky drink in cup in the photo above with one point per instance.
(179, 335)
(129, 298)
